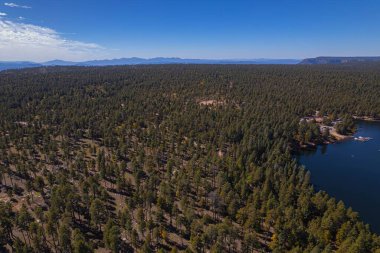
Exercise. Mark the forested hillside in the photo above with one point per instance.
(169, 158)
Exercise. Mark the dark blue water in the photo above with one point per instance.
(350, 171)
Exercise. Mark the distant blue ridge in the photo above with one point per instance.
(4, 65)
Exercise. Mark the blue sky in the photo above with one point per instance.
(41, 30)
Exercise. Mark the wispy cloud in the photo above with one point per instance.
(13, 5)
(21, 41)
(2, 14)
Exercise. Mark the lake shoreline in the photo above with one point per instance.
(333, 136)
(366, 118)
(349, 170)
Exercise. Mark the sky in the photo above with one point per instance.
(41, 30)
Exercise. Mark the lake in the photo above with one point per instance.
(350, 171)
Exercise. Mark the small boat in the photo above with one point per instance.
(360, 138)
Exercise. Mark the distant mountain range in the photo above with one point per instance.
(136, 61)
(18, 65)
(339, 60)
(162, 60)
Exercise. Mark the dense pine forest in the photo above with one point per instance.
(174, 158)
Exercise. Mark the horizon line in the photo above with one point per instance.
(180, 58)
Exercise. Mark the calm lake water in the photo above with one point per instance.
(350, 171)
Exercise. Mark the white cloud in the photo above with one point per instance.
(20, 41)
(13, 5)
(2, 14)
